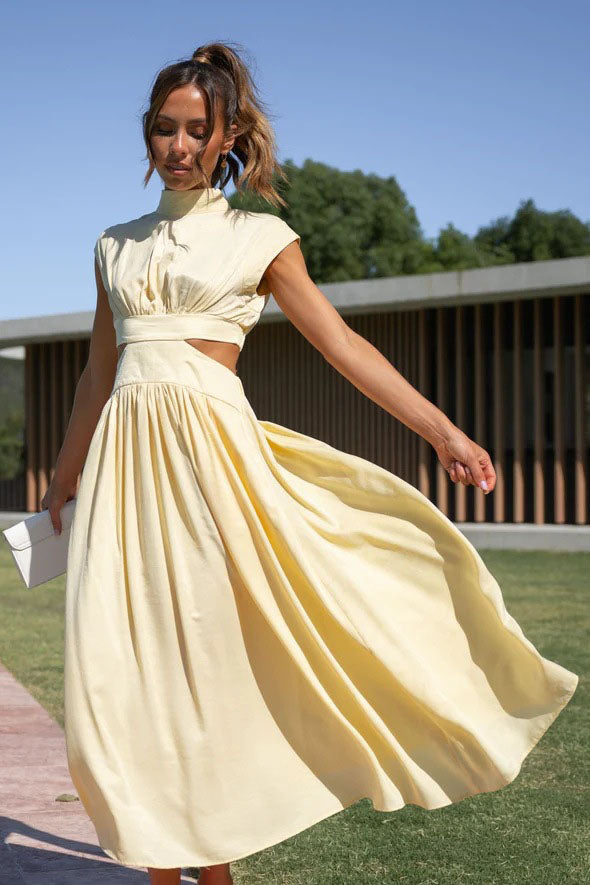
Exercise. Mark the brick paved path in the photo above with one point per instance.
(43, 841)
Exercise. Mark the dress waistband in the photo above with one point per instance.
(142, 327)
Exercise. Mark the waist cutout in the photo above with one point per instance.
(151, 327)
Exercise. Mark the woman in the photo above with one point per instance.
(260, 629)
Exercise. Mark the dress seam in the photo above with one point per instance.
(177, 384)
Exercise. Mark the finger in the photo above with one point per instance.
(56, 522)
(483, 484)
(473, 480)
(484, 475)
(461, 473)
(490, 475)
(472, 474)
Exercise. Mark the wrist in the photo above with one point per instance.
(442, 432)
(62, 481)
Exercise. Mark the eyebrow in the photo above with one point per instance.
(194, 120)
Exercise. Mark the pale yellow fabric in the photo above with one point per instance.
(194, 259)
(262, 629)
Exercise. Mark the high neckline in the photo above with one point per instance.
(176, 203)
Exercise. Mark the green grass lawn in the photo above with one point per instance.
(536, 830)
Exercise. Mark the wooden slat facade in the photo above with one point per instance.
(513, 374)
(52, 370)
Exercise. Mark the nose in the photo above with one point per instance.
(179, 142)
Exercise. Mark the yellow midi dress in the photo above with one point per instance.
(262, 629)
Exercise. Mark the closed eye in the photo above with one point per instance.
(167, 132)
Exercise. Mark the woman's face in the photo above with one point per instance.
(177, 137)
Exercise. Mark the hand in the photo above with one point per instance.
(55, 497)
(466, 461)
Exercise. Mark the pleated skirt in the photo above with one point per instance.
(262, 630)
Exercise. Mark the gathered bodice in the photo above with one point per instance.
(190, 269)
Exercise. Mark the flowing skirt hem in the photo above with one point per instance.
(194, 860)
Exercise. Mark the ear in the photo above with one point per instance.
(229, 142)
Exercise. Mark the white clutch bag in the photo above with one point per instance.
(40, 555)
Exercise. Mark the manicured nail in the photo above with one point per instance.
(484, 485)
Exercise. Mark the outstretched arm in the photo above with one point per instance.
(368, 369)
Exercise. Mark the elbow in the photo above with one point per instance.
(340, 346)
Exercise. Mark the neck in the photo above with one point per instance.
(175, 203)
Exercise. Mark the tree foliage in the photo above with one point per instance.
(357, 226)
(11, 444)
(534, 235)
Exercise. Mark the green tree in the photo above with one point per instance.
(535, 235)
(353, 226)
(11, 445)
(357, 226)
(457, 251)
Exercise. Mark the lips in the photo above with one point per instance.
(184, 168)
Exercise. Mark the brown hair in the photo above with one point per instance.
(224, 81)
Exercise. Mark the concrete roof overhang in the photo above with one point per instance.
(507, 282)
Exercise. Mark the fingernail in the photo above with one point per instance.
(484, 485)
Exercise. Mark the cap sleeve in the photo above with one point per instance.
(266, 244)
(98, 254)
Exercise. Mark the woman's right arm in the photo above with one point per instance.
(92, 391)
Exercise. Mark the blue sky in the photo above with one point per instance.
(472, 107)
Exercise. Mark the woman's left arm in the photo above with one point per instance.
(369, 371)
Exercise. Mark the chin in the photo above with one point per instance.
(174, 183)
